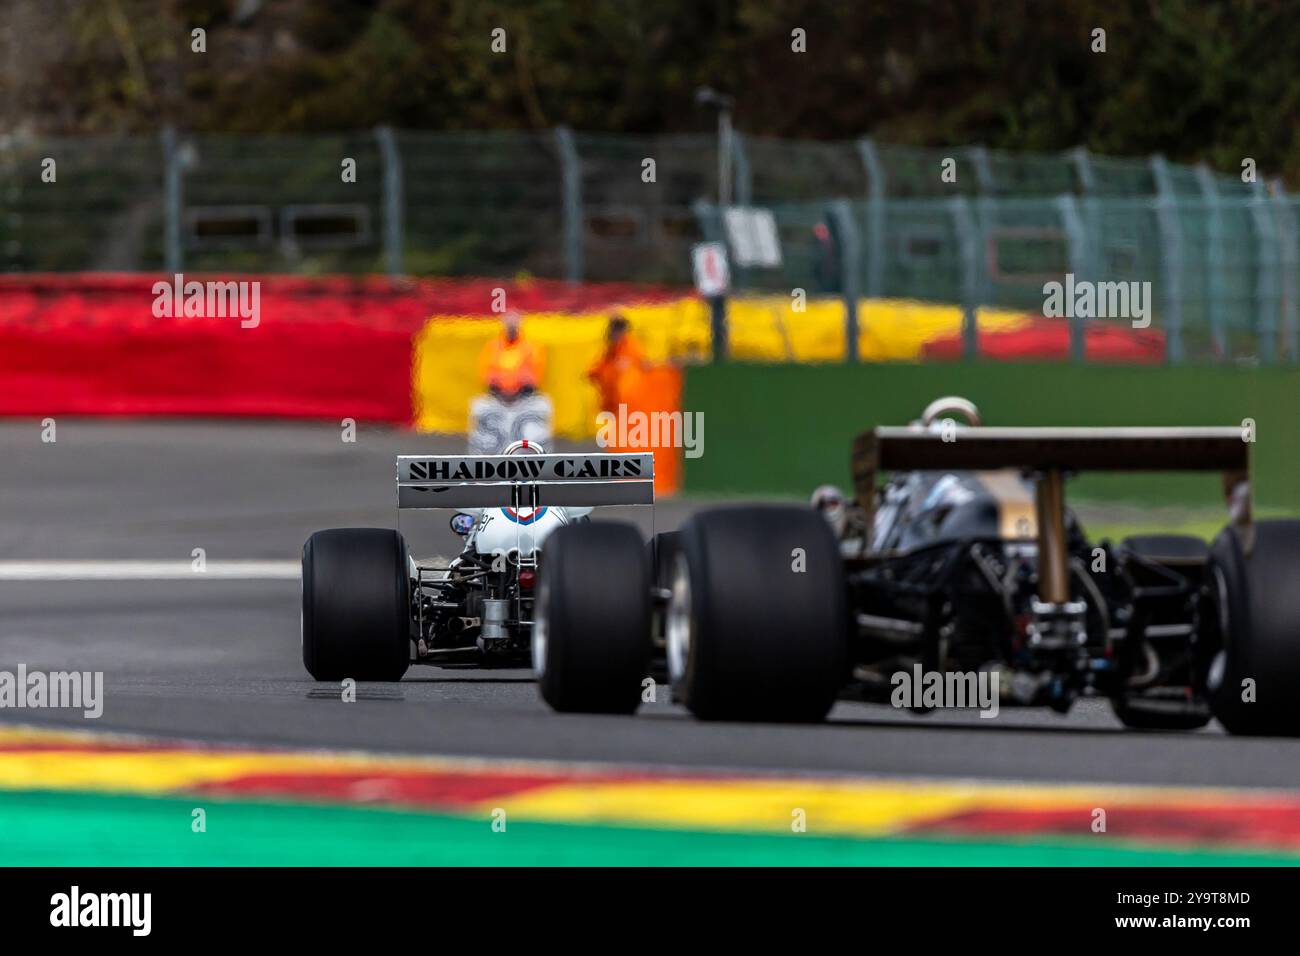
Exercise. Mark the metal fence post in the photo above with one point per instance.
(1214, 258)
(571, 192)
(850, 264)
(1090, 209)
(1171, 259)
(979, 157)
(1289, 256)
(875, 237)
(393, 202)
(172, 199)
(741, 194)
(1076, 243)
(1083, 169)
(709, 216)
(1268, 248)
(987, 220)
(744, 175)
(968, 244)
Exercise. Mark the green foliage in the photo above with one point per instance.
(1194, 80)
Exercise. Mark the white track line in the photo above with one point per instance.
(120, 570)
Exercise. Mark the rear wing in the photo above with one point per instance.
(515, 481)
(1051, 453)
(1071, 449)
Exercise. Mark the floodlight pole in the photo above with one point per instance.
(724, 155)
(706, 96)
(718, 307)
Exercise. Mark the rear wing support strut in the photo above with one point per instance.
(1053, 556)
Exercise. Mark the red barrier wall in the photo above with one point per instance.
(330, 347)
(1048, 340)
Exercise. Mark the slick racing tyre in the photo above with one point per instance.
(1153, 713)
(356, 605)
(1254, 580)
(662, 549)
(591, 627)
(757, 620)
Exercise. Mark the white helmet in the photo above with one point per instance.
(830, 501)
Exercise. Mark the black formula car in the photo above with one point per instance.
(966, 560)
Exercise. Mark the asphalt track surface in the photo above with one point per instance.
(212, 658)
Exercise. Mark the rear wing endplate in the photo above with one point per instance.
(504, 481)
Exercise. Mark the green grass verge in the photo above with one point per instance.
(91, 829)
(784, 429)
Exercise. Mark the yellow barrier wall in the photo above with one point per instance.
(766, 329)
(445, 373)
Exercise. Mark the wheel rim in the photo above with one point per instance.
(1221, 588)
(677, 625)
(1219, 664)
(540, 610)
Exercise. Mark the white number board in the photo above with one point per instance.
(712, 276)
(751, 233)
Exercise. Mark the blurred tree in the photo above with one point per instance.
(1195, 80)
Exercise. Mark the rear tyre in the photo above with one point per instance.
(1141, 714)
(662, 549)
(757, 621)
(1254, 578)
(356, 605)
(591, 629)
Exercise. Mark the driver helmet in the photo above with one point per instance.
(832, 505)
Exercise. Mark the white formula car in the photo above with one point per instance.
(369, 610)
